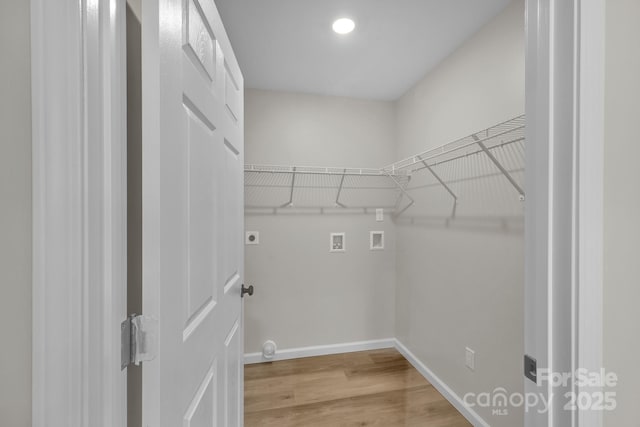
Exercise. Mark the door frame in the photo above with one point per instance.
(565, 60)
(79, 202)
(79, 211)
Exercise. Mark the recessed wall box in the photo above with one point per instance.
(337, 242)
(376, 240)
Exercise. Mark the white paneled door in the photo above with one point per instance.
(192, 216)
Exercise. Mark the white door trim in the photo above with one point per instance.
(79, 206)
(79, 212)
(565, 129)
(589, 243)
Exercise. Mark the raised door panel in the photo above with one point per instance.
(192, 203)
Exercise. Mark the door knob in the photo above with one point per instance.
(248, 290)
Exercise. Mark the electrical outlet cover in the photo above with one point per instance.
(470, 358)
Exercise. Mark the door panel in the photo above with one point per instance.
(202, 409)
(233, 359)
(232, 94)
(193, 155)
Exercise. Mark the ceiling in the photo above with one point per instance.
(289, 44)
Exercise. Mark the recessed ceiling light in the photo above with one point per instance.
(343, 26)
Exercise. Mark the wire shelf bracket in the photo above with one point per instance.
(446, 187)
(340, 190)
(403, 191)
(293, 184)
(500, 167)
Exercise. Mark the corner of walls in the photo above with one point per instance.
(455, 399)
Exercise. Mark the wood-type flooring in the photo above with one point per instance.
(368, 388)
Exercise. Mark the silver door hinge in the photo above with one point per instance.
(139, 340)
(531, 368)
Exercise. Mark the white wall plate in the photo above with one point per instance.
(252, 238)
(337, 242)
(376, 240)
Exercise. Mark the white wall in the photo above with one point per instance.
(304, 295)
(462, 285)
(315, 130)
(622, 209)
(15, 214)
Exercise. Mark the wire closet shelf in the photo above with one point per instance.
(495, 152)
(329, 189)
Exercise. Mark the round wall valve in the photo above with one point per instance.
(252, 238)
(269, 350)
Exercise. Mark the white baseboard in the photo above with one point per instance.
(321, 350)
(471, 415)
